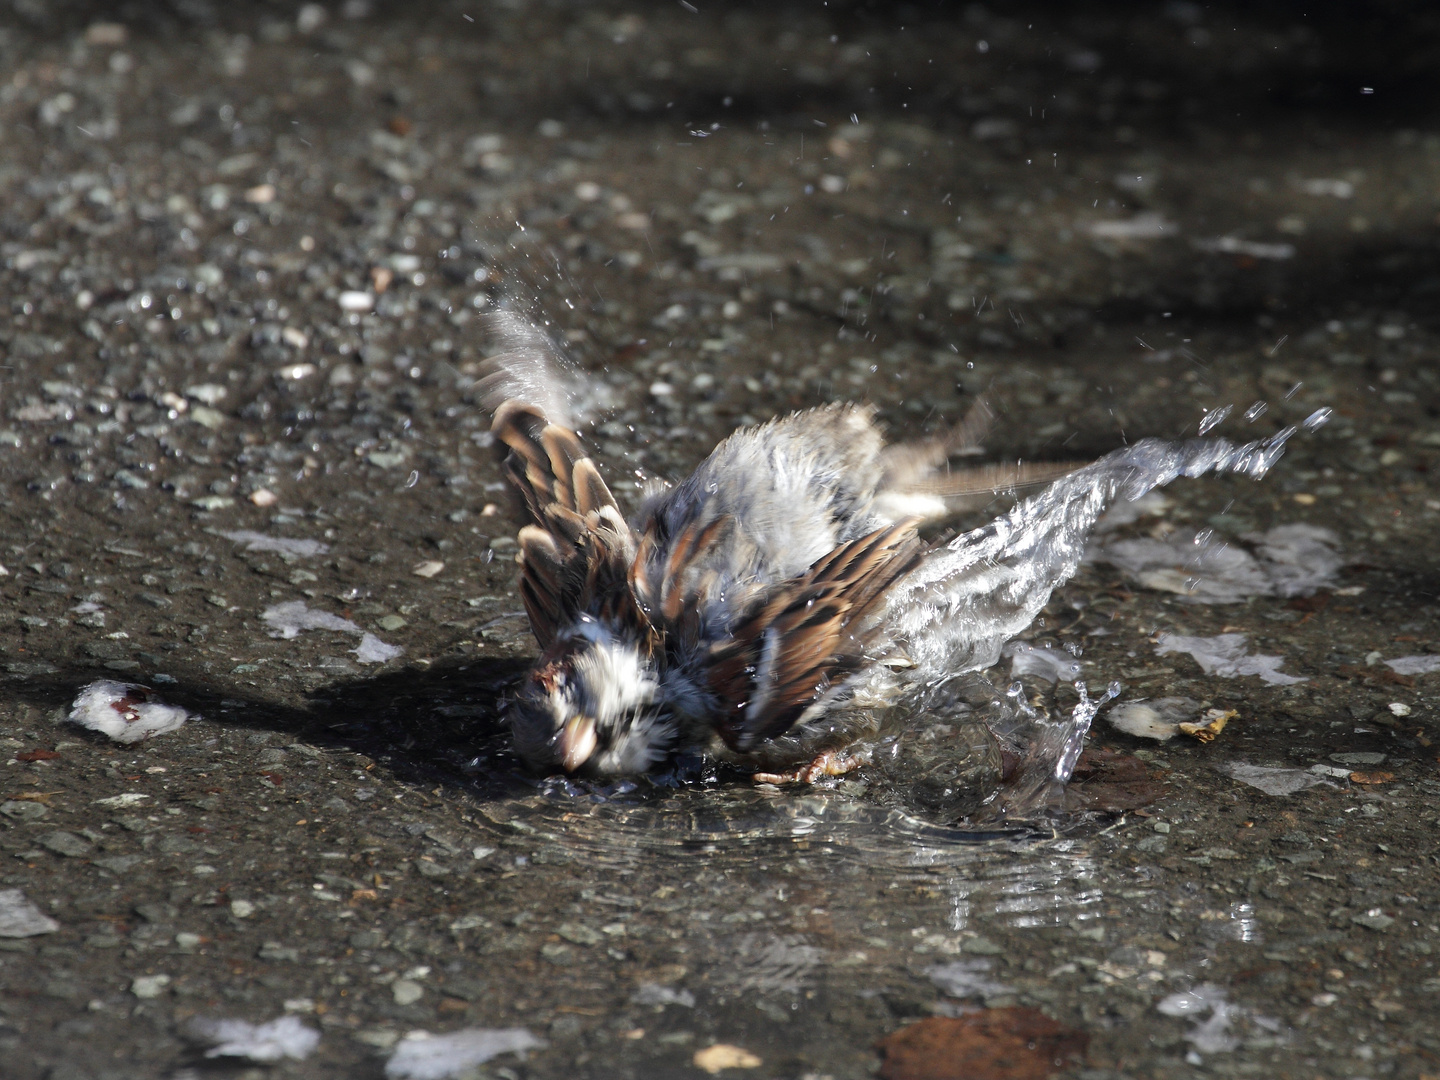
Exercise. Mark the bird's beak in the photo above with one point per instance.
(577, 742)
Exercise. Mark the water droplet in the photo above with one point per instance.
(1214, 418)
(1318, 419)
(1254, 412)
(1203, 537)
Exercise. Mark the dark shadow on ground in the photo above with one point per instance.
(438, 726)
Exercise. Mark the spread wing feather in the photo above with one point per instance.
(577, 550)
(805, 635)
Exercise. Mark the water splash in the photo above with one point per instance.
(1212, 1035)
(1052, 749)
(958, 609)
(1214, 418)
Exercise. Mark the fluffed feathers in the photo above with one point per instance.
(734, 605)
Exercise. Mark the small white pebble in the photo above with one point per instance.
(354, 300)
(661, 389)
(264, 497)
(149, 986)
(294, 337)
(428, 568)
(1399, 708)
(260, 194)
(207, 393)
(406, 991)
(587, 191)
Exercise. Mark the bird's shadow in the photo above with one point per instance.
(438, 726)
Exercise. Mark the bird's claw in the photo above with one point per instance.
(828, 763)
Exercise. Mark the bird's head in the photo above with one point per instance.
(590, 706)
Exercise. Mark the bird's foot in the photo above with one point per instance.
(828, 763)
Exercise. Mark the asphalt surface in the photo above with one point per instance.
(245, 255)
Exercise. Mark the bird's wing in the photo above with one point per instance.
(906, 464)
(668, 577)
(993, 479)
(546, 464)
(526, 366)
(576, 550)
(805, 635)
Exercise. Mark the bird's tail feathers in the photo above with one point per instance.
(917, 478)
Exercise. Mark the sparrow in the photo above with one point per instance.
(741, 612)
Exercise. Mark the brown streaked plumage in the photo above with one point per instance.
(732, 609)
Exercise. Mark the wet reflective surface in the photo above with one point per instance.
(245, 254)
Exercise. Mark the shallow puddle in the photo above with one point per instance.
(247, 254)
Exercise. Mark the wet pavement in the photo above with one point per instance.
(245, 257)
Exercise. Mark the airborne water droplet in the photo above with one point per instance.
(1214, 418)
(1254, 412)
(1318, 419)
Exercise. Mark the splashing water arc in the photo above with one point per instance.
(956, 612)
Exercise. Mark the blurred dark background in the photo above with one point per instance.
(1374, 63)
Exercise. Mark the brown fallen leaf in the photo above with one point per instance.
(1376, 777)
(37, 755)
(996, 1044)
(721, 1056)
(1215, 721)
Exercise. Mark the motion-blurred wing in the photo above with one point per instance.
(577, 550)
(917, 480)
